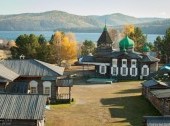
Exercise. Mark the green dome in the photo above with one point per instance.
(145, 48)
(126, 43)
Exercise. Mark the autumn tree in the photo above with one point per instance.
(128, 29)
(11, 44)
(64, 47)
(136, 34)
(114, 35)
(87, 48)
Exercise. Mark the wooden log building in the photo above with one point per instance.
(122, 64)
(31, 76)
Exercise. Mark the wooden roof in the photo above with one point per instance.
(104, 38)
(17, 106)
(32, 68)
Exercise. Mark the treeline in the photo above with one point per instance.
(61, 47)
(162, 47)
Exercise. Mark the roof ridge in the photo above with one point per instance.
(60, 72)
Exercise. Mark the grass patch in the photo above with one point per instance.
(117, 104)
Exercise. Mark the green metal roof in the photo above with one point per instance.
(126, 43)
(145, 48)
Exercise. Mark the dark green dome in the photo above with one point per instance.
(126, 43)
(145, 48)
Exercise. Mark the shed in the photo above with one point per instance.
(161, 100)
(152, 84)
(22, 110)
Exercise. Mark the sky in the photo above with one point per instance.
(136, 8)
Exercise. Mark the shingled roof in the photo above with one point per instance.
(148, 58)
(104, 38)
(32, 68)
(13, 106)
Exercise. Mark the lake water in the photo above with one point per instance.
(12, 35)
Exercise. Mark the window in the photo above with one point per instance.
(33, 87)
(133, 62)
(133, 71)
(124, 71)
(102, 69)
(145, 70)
(33, 90)
(114, 62)
(114, 71)
(124, 62)
(47, 88)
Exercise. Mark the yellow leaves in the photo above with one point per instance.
(66, 45)
(57, 37)
(128, 29)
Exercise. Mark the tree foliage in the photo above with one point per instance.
(139, 38)
(26, 45)
(114, 35)
(136, 34)
(128, 29)
(64, 47)
(61, 47)
(87, 48)
(162, 46)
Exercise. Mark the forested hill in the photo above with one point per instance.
(58, 20)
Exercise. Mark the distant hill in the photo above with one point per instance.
(155, 27)
(58, 20)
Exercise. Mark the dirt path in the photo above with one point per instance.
(118, 104)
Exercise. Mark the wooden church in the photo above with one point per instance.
(125, 64)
